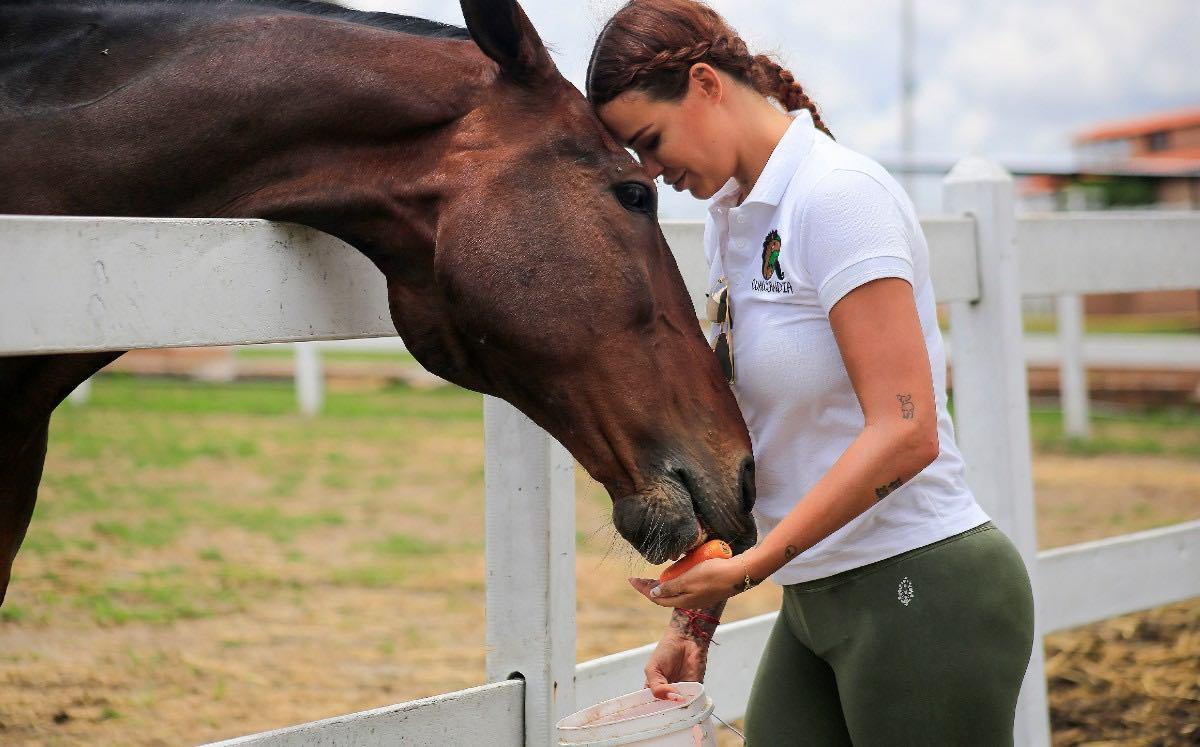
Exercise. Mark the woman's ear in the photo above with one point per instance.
(704, 80)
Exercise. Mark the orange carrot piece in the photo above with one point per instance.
(708, 551)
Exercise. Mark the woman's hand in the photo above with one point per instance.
(676, 658)
(707, 584)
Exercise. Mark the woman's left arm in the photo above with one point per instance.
(879, 334)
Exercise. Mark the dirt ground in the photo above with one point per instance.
(199, 570)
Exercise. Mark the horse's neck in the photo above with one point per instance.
(285, 117)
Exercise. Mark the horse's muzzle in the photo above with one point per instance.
(681, 509)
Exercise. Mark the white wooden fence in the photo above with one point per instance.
(76, 284)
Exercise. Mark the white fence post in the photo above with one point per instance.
(530, 550)
(991, 398)
(1072, 374)
(310, 378)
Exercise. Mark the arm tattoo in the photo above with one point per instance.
(883, 491)
(906, 406)
(790, 552)
(696, 628)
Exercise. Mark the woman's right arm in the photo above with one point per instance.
(682, 654)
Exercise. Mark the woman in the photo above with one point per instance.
(907, 616)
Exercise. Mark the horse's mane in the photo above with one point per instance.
(390, 21)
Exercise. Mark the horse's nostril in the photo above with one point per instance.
(747, 483)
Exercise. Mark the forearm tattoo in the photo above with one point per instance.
(790, 552)
(698, 625)
(883, 491)
(907, 408)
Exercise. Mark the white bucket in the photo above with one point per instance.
(641, 719)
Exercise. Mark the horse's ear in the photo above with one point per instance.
(504, 33)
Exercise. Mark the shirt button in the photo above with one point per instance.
(741, 219)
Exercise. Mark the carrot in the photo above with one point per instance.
(708, 551)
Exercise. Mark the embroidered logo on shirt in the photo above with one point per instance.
(772, 246)
(905, 591)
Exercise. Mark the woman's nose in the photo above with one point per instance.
(652, 167)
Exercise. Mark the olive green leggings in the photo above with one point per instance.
(925, 648)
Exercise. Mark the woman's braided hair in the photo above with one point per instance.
(651, 45)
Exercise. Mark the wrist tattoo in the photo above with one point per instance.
(790, 552)
(883, 491)
(698, 625)
(906, 406)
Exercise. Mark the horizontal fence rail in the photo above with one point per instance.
(1068, 253)
(488, 714)
(88, 284)
(1093, 581)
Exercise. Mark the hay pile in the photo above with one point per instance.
(1132, 680)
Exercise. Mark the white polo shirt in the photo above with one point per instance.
(840, 220)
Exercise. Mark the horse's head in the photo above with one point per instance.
(556, 291)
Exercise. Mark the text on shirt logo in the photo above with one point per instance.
(772, 247)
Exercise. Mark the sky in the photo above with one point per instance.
(994, 77)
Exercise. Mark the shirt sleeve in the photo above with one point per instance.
(853, 231)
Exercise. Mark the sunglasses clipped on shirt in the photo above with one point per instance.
(720, 311)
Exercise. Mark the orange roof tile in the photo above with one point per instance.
(1141, 125)
(1037, 184)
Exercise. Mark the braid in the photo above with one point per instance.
(651, 45)
(773, 79)
(724, 51)
(669, 60)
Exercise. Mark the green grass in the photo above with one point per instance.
(150, 460)
(161, 596)
(265, 398)
(369, 576)
(260, 352)
(151, 443)
(1173, 432)
(145, 533)
(43, 541)
(271, 520)
(1115, 324)
(13, 613)
(251, 489)
(401, 545)
(1109, 324)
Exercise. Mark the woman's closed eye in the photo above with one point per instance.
(647, 145)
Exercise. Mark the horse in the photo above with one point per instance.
(459, 161)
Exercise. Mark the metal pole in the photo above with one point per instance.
(907, 89)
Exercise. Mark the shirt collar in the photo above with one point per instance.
(777, 173)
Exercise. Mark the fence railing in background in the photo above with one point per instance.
(69, 284)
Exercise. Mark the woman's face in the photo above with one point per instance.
(688, 142)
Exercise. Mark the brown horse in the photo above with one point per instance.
(519, 242)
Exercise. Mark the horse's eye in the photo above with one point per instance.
(635, 196)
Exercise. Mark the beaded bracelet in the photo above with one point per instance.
(693, 625)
